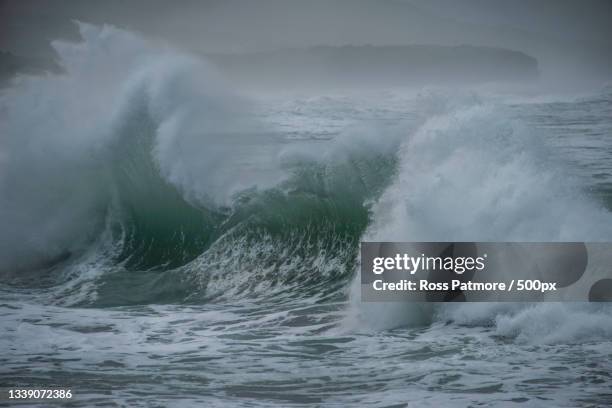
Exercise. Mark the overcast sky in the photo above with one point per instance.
(550, 30)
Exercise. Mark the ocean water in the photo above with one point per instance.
(169, 241)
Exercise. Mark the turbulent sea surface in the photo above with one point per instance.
(168, 242)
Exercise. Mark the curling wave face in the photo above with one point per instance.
(139, 177)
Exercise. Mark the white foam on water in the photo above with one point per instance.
(471, 173)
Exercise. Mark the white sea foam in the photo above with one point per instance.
(471, 173)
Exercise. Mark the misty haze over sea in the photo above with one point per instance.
(571, 40)
(184, 187)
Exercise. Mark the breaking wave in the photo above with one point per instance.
(473, 173)
(138, 176)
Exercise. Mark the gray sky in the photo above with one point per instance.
(569, 34)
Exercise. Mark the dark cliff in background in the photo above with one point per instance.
(572, 40)
(378, 65)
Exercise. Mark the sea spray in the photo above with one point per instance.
(472, 172)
